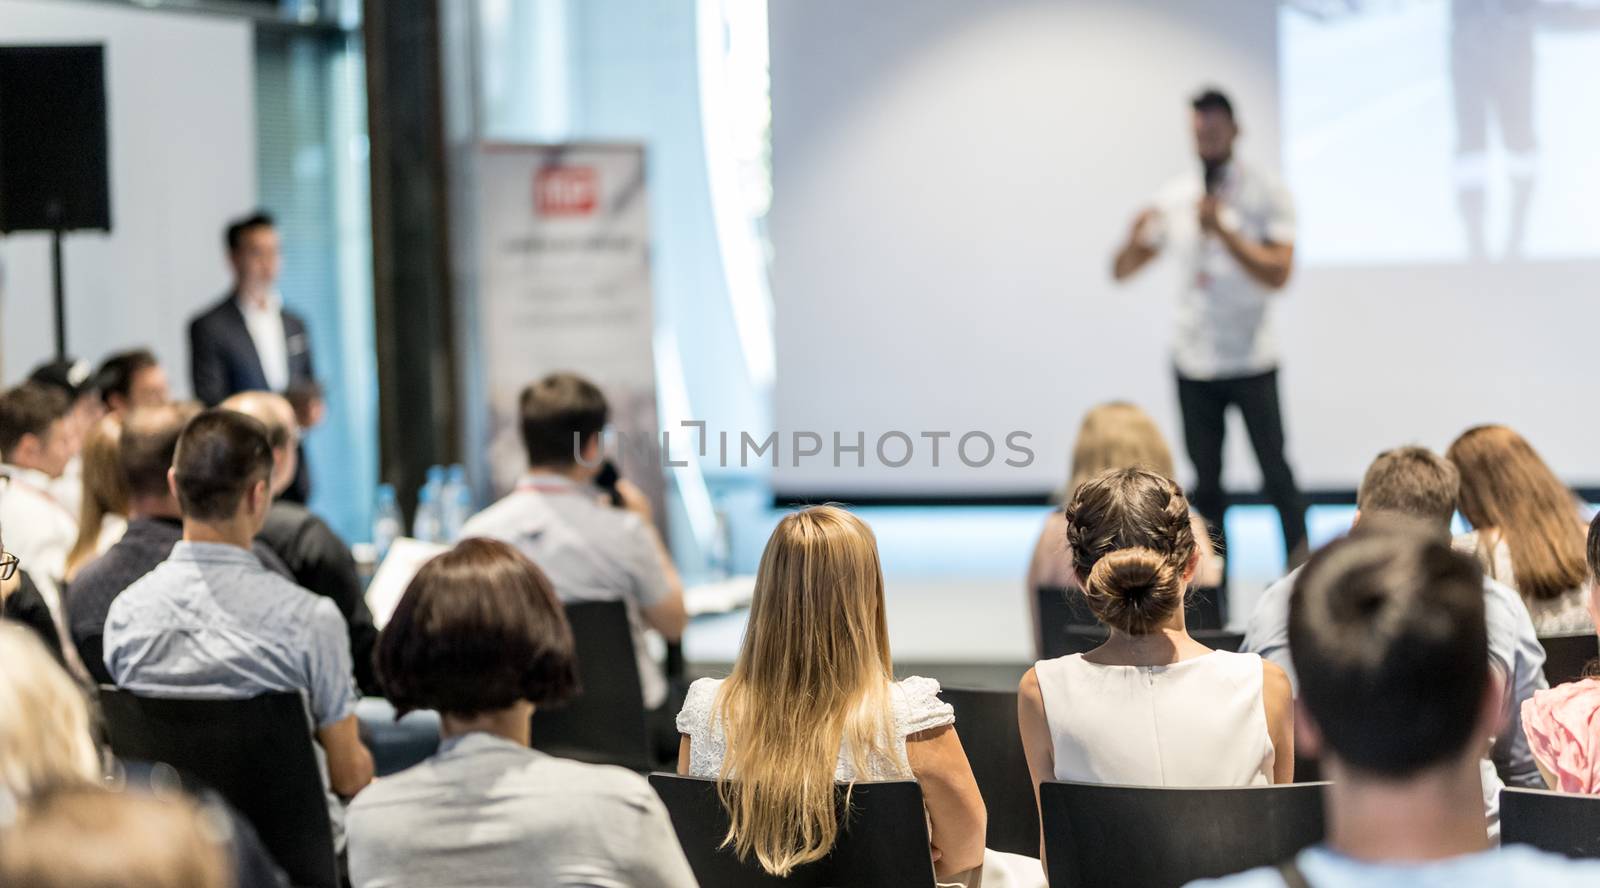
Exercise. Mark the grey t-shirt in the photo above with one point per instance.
(1501, 868)
(489, 813)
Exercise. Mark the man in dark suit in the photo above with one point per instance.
(249, 341)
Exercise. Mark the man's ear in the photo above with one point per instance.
(172, 481)
(1307, 736)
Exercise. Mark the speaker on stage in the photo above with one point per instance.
(53, 139)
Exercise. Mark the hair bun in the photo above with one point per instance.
(1134, 589)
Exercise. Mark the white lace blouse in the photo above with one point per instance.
(916, 705)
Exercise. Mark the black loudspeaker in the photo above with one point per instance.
(53, 139)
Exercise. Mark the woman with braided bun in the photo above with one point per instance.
(1151, 706)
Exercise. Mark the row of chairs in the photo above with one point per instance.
(1096, 835)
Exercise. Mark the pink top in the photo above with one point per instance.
(1563, 726)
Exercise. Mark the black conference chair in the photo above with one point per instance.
(1082, 639)
(987, 724)
(1158, 837)
(1566, 657)
(256, 753)
(605, 724)
(1558, 822)
(883, 839)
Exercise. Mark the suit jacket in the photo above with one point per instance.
(223, 359)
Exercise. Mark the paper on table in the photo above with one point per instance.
(406, 557)
(719, 597)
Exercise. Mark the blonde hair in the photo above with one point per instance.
(1117, 435)
(44, 719)
(105, 490)
(83, 836)
(1506, 487)
(1131, 541)
(812, 679)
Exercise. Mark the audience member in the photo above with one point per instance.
(1116, 435)
(480, 636)
(1399, 700)
(75, 380)
(83, 836)
(1416, 483)
(155, 524)
(45, 738)
(103, 516)
(590, 550)
(212, 621)
(21, 603)
(1527, 526)
(812, 700)
(1219, 718)
(1563, 723)
(130, 379)
(314, 554)
(36, 442)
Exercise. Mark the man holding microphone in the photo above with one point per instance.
(1233, 227)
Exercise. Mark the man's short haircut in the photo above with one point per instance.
(270, 409)
(1212, 99)
(559, 414)
(1412, 481)
(220, 455)
(238, 227)
(1388, 635)
(115, 376)
(478, 629)
(30, 409)
(148, 444)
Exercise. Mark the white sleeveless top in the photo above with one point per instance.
(915, 702)
(1197, 722)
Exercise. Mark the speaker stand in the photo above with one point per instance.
(60, 294)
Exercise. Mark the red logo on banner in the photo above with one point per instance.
(566, 191)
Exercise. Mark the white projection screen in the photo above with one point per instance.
(951, 177)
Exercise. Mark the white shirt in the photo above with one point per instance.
(590, 552)
(265, 323)
(1224, 315)
(1196, 722)
(40, 532)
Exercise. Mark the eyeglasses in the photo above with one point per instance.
(8, 566)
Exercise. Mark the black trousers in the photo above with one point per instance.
(1205, 404)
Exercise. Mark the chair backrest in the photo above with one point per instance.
(1163, 837)
(1066, 624)
(1567, 656)
(256, 753)
(1561, 823)
(987, 723)
(883, 838)
(605, 724)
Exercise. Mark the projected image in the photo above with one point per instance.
(1441, 131)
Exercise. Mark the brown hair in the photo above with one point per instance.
(221, 455)
(478, 629)
(1117, 435)
(1131, 541)
(31, 408)
(560, 413)
(105, 490)
(148, 444)
(82, 836)
(1507, 489)
(1411, 481)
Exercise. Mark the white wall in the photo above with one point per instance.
(183, 162)
(951, 178)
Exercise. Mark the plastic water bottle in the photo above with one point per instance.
(428, 524)
(387, 525)
(455, 502)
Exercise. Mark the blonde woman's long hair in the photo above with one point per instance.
(44, 719)
(105, 490)
(1507, 488)
(1116, 435)
(812, 679)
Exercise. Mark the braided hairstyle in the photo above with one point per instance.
(1131, 539)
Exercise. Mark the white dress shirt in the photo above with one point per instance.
(40, 532)
(1224, 314)
(265, 323)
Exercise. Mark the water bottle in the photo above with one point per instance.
(386, 522)
(428, 524)
(455, 502)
